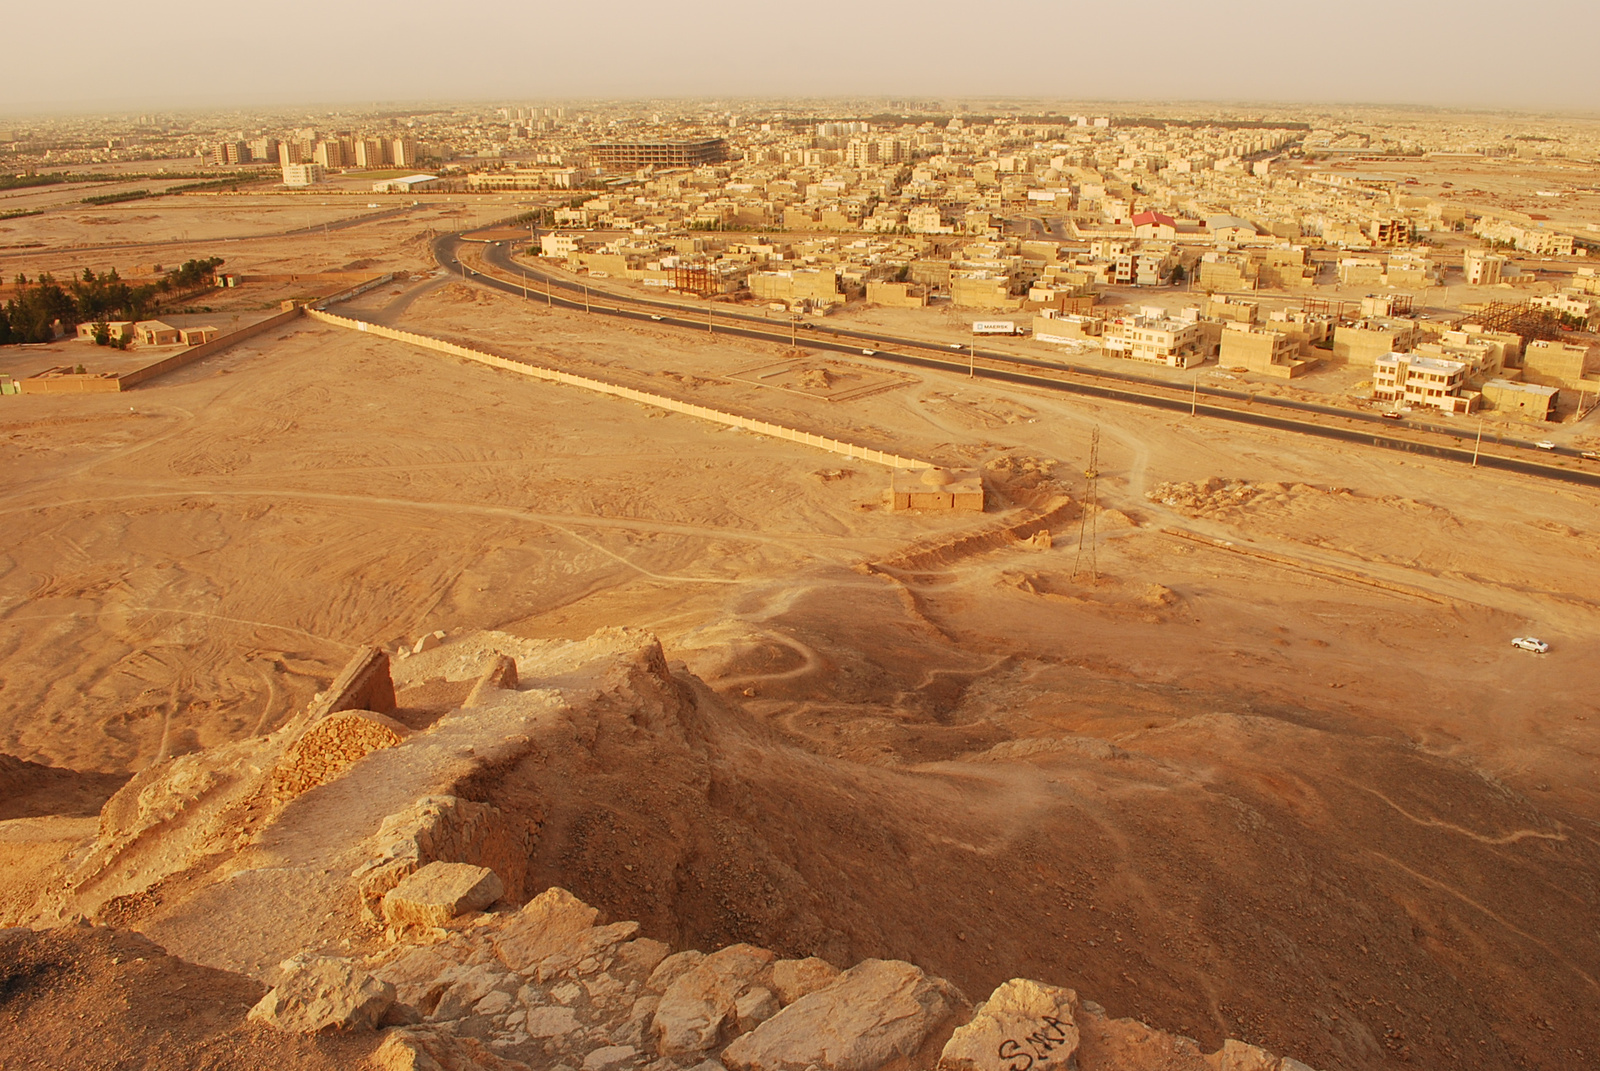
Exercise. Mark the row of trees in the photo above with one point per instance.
(30, 315)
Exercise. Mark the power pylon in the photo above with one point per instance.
(1091, 506)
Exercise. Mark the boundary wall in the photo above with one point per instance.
(777, 431)
(205, 349)
(106, 383)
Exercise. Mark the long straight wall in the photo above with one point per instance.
(731, 420)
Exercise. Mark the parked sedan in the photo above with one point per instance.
(1529, 643)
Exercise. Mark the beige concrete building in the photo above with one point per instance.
(1365, 341)
(156, 333)
(1391, 231)
(897, 295)
(1227, 271)
(302, 174)
(1266, 352)
(983, 290)
(1361, 271)
(1428, 382)
(1285, 268)
(1482, 269)
(816, 287)
(1058, 328)
(1410, 271)
(1155, 339)
(1232, 310)
(1524, 401)
(1559, 364)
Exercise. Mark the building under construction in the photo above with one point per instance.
(675, 152)
(1525, 319)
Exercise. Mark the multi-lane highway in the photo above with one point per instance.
(1283, 414)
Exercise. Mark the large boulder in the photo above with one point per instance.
(324, 995)
(547, 925)
(1022, 1024)
(438, 892)
(878, 1011)
(701, 1006)
(795, 978)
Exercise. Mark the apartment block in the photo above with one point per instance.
(1260, 350)
(1361, 271)
(1415, 380)
(1051, 326)
(666, 152)
(1227, 271)
(1558, 364)
(1482, 269)
(1155, 339)
(302, 174)
(1363, 342)
(982, 290)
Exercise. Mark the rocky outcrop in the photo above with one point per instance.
(550, 986)
(440, 892)
(364, 684)
(1022, 1022)
(446, 829)
(318, 995)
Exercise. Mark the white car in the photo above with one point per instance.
(653, 316)
(1545, 444)
(1528, 643)
(868, 353)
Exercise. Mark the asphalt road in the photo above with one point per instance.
(1113, 387)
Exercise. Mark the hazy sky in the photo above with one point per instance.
(99, 55)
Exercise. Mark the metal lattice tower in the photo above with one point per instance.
(1091, 506)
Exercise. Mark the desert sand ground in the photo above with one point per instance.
(1228, 793)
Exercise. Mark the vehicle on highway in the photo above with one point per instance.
(868, 353)
(1390, 416)
(1530, 643)
(956, 346)
(653, 316)
(1592, 455)
(1545, 444)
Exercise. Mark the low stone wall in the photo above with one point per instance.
(69, 383)
(777, 431)
(205, 349)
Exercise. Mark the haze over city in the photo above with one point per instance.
(191, 55)
(876, 537)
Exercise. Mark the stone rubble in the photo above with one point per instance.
(549, 987)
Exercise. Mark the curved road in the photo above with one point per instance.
(558, 291)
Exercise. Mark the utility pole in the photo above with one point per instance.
(711, 314)
(586, 297)
(1091, 505)
(1477, 445)
(548, 299)
(793, 327)
(972, 358)
(1194, 395)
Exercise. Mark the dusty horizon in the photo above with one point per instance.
(1242, 50)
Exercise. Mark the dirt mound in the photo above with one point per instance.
(29, 790)
(111, 998)
(1025, 480)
